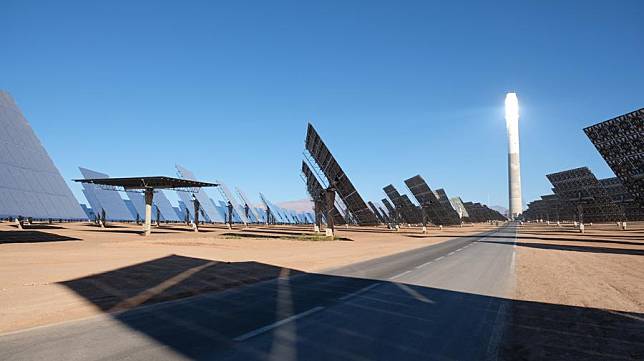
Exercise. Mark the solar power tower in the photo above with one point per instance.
(333, 173)
(620, 141)
(102, 199)
(582, 191)
(208, 208)
(30, 183)
(437, 211)
(315, 189)
(409, 212)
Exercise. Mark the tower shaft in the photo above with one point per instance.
(514, 171)
(514, 163)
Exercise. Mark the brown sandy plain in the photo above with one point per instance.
(600, 268)
(36, 263)
(600, 271)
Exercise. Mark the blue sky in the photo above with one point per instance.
(394, 88)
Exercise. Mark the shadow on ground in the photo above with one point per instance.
(388, 321)
(565, 247)
(304, 237)
(576, 239)
(27, 236)
(39, 226)
(639, 233)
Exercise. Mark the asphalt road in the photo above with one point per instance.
(442, 302)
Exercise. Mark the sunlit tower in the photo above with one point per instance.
(514, 163)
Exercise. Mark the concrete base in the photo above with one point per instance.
(581, 228)
(424, 229)
(441, 227)
(328, 232)
(316, 228)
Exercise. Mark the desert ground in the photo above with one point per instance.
(601, 268)
(36, 263)
(554, 293)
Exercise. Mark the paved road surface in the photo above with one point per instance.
(442, 302)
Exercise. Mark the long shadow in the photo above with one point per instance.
(347, 318)
(561, 247)
(39, 226)
(162, 230)
(27, 236)
(615, 233)
(181, 229)
(293, 233)
(591, 240)
(107, 225)
(484, 233)
(124, 231)
(293, 237)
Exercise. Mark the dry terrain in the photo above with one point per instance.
(569, 287)
(602, 267)
(60, 272)
(581, 295)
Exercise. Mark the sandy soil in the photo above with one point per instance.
(578, 296)
(56, 273)
(601, 268)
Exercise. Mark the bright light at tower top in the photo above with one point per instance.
(511, 108)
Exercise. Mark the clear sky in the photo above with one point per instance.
(396, 88)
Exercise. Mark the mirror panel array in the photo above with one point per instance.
(30, 183)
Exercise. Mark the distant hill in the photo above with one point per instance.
(300, 205)
(500, 209)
